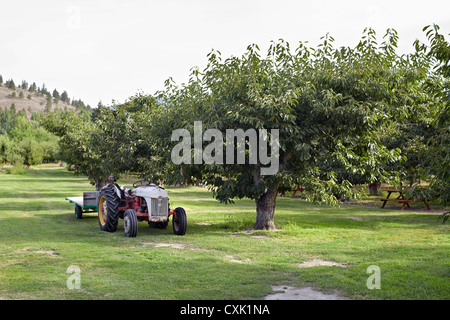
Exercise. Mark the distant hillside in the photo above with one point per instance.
(34, 103)
(35, 99)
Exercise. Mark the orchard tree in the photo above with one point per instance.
(127, 132)
(6, 148)
(31, 152)
(438, 50)
(10, 151)
(328, 104)
(78, 146)
(110, 141)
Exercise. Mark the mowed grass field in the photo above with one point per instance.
(218, 258)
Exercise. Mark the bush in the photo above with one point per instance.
(16, 169)
(31, 151)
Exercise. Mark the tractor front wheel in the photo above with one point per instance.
(130, 223)
(180, 222)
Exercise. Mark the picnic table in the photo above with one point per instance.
(296, 190)
(401, 199)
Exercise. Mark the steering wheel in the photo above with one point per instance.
(142, 183)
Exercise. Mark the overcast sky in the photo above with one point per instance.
(105, 50)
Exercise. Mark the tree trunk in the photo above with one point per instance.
(265, 209)
(374, 188)
(99, 184)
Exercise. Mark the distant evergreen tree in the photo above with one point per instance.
(1, 79)
(21, 95)
(24, 85)
(13, 95)
(65, 97)
(56, 94)
(29, 97)
(33, 87)
(11, 85)
(78, 104)
(48, 106)
(44, 90)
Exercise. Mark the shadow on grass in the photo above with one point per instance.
(67, 219)
(284, 221)
(51, 196)
(25, 180)
(349, 220)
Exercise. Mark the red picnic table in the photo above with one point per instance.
(297, 189)
(401, 199)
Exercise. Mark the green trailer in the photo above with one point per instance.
(87, 203)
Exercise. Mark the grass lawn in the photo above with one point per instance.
(217, 258)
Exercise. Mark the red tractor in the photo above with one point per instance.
(146, 202)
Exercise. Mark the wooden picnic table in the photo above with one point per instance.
(401, 199)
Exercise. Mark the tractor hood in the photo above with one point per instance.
(151, 192)
(157, 200)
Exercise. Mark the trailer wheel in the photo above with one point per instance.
(108, 209)
(130, 223)
(78, 212)
(180, 223)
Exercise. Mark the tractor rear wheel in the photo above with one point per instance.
(180, 222)
(108, 209)
(130, 223)
(78, 212)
